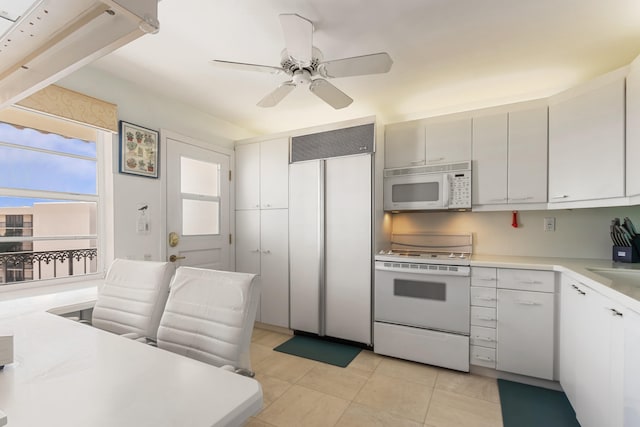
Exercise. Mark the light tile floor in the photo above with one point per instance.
(373, 390)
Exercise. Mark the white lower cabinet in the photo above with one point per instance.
(592, 355)
(525, 333)
(482, 351)
(631, 391)
(262, 248)
(526, 322)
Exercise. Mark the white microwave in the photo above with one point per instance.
(435, 187)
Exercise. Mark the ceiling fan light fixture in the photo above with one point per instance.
(306, 66)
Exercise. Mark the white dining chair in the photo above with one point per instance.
(132, 298)
(209, 317)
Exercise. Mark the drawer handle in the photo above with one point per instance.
(523, 302)
(488, 279)
(484, 339)
(485, 298)
(519, 199)
(531, 282)
(485, 358)
(487, 318)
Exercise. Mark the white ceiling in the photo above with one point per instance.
(449, 55)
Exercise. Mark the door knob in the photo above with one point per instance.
(174, 258)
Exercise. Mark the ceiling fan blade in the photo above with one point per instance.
(375, 63)
(248, 67)
(298, 37)
(330, 94)
(273, 98)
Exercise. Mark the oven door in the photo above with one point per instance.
(415, 192)
(423, 300)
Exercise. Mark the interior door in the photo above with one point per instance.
(198, 204)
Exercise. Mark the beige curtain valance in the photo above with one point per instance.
(64, 103)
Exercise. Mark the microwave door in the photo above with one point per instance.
(415, 192)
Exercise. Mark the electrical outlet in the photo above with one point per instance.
(549, 224)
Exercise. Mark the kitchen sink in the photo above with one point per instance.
(620, 276)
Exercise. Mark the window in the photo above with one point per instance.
(49, 204)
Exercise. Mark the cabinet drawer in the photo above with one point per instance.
(483, 337)
(526, 280)
(483, 316)
(484, 276)
(483, 297)
(482, 356)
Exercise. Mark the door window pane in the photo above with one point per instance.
(198, 177)
(200, 217)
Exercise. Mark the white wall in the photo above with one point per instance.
(153, 111)
(580, 233)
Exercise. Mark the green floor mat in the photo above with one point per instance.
(529, 406)
(321, 350)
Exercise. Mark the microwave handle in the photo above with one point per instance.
(447, 190)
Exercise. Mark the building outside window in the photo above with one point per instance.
(49, 205)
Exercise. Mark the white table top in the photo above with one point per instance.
(70, 374)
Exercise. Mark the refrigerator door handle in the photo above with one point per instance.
(322, 284)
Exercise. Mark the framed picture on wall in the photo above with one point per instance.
(139, 148)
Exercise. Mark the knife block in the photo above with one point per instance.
(627, 253)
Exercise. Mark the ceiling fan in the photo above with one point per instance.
(304, 63)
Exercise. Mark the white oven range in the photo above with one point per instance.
(421, 309)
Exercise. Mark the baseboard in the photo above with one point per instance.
(273, 328)
(492, 373)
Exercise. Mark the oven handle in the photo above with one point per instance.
(460, 270)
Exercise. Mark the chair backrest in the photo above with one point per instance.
(133, 296)
(209, 316)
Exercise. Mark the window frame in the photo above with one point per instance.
(104, 218)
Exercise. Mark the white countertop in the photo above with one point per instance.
(57, 299)
(626, 292)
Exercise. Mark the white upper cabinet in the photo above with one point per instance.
(489, 167)
(262, 175)
(633, 129)
(510, 157)
(427, 142)
(448, 141)
(248, 176)
(404, 144)
(527, 159)
(587, 141)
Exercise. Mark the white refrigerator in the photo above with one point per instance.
(330, 247)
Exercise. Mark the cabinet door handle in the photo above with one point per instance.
(531, 282)
(504, 199)
(562, 196)
(484, 339)
(437, 159)
(488, 279)
(525, 302)
(615, 312)
(257, 206)
(485, 358)
(417, 163)
(266, 251)
(255, 250)
(267, 205)
(521, 199)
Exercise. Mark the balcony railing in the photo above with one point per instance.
(51, 264)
